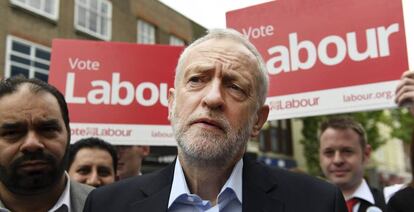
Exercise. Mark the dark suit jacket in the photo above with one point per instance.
(402, 200)
(264, 189)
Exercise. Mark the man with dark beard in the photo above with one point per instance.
(34, 139)
(216, 106)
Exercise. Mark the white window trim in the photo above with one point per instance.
(173, 37)
(154, 40)
(54, 16)
(32, 57)
(90, 32)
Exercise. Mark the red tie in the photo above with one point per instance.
(351, 203)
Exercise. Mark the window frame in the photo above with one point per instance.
(176, 41)
(53, 16)
(277, 138)
(153, 40)
(32, 57)
(86, 29)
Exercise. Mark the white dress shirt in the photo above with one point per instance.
(229, 198)
(362, 192)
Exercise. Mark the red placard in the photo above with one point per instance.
(310, 46)
(115, 84)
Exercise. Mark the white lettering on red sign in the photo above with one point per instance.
(106, 93)
(257, 32)
(88, 65)
(287, 59)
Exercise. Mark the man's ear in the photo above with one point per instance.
(145, 151)
(170, 102)
(367, 153)
(261, 118)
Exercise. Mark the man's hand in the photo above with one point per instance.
(404, 94)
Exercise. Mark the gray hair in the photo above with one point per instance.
(262, 77)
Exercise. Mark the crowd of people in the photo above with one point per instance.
(217, 104)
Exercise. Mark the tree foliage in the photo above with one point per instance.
(402, 124)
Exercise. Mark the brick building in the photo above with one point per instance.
(27, 28)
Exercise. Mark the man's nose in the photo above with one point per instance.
(94, 180)
(214, 95)
(338, 159)
(32, 143)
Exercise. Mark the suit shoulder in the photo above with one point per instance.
(78, 195)
(129, 185)
(292, 180)
(119, 195)
(79, 188)
(297, 192)
(286, 175)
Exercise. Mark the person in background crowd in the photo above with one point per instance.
(34, 142)
(403, 200)
(92, 161)
(343, 154)
(390, 190)
(216, 106)
(130, 160)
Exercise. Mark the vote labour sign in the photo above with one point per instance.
(329, 56)
(116, 91)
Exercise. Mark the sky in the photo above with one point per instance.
(209, 13)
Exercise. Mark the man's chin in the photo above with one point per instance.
(31, 191)
(206, 156)
(340, 181)
(34, 183)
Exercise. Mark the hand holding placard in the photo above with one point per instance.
(404, 94)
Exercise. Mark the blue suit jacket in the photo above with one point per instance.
(264, 189)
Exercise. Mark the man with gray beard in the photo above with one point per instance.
(216, 105)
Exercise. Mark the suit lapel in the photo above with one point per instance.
(157, 202)
(157, 192)
(259, 190)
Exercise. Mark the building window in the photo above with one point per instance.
(26, 58)
(146, 32)
(47, 8)
(277, 138)
(174, 41)
(94, 17)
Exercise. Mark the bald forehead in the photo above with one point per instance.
(27, 108)
(231, 47)
(223, 50)
(25, 97)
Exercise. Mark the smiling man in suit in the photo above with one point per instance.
(216, 106)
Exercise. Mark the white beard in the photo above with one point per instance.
(209, 148)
